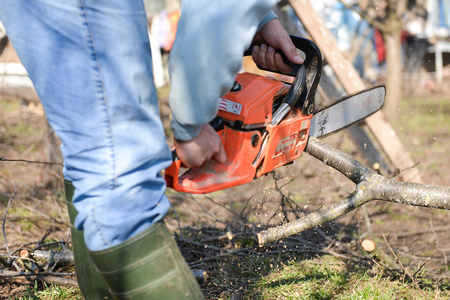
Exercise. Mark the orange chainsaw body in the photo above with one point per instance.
(246, 112)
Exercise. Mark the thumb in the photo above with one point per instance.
(288, 48)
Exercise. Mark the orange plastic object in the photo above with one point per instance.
(247, 111)
(286, 141)
(214, 176)
(252, 103)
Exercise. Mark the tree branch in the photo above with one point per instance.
(365, 14)
(30, 277)
(369, 186)
(4, 217)
(31, 161)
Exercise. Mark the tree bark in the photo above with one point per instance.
(29, 277)
(392, 40)
(369, 186)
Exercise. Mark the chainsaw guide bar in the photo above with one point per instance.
(347, 111)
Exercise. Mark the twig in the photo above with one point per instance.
(47, 277)
(61, 255)
(223, 206)
(4, 217)
(206, 212)
(17, 267)
(46, 234)
(30, 161)
(39, 245)
(285, 200)
(407, 234)
(438, 244)
(367, 220)
(176, 217)
(420, 268)
(228, 235)
(245, 216)
(404, 270)
(31, 209)
(202, 245)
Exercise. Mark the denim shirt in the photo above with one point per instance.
(206, 56)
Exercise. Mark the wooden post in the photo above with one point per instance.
(352, 83)
(15, 83)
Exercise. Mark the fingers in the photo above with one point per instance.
(264, 56)
(288, 48)
(267, 58)
(205, 146)
(214, 149)
(220, 156)
(274, 35)
(284, 68)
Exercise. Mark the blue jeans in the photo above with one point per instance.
(91, 64)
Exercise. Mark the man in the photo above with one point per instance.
(91, 65)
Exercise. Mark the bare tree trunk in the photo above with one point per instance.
(392, 40)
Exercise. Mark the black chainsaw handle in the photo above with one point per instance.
(313, 64)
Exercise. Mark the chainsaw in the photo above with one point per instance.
(265, 123)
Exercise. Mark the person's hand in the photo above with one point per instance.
(273, 36)
(205, 146)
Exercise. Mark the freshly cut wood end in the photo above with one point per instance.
(24, 253)
(368, 245)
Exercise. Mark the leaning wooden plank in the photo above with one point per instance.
(352, 83)
(15, 83)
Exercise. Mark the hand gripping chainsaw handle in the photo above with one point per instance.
(243, 146)
(313, 64)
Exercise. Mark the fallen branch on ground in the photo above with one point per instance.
(369, 186)
(21, 277)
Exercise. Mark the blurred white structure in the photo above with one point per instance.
(438, 29)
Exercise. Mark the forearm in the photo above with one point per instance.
(206, 55)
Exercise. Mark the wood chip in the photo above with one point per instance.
(368, 245)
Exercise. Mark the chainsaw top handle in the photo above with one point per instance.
(313, 65)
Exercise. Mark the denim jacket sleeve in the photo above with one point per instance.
(207, 54)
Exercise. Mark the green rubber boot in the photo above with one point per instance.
(89, 280)
(147, 266)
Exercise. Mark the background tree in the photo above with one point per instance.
(389, 18)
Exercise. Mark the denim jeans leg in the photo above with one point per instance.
(90, 62)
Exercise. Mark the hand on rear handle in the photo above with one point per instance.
(205, 146)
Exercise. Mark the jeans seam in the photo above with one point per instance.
(107, 244)
(103, 98)
(104, 102)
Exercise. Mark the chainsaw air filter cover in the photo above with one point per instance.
(250, 102)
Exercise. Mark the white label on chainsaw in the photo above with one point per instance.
(285, 145)
(304, 125)
(230, 106)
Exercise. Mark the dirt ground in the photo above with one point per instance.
(419, 235)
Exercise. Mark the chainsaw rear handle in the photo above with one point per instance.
(313, 64)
